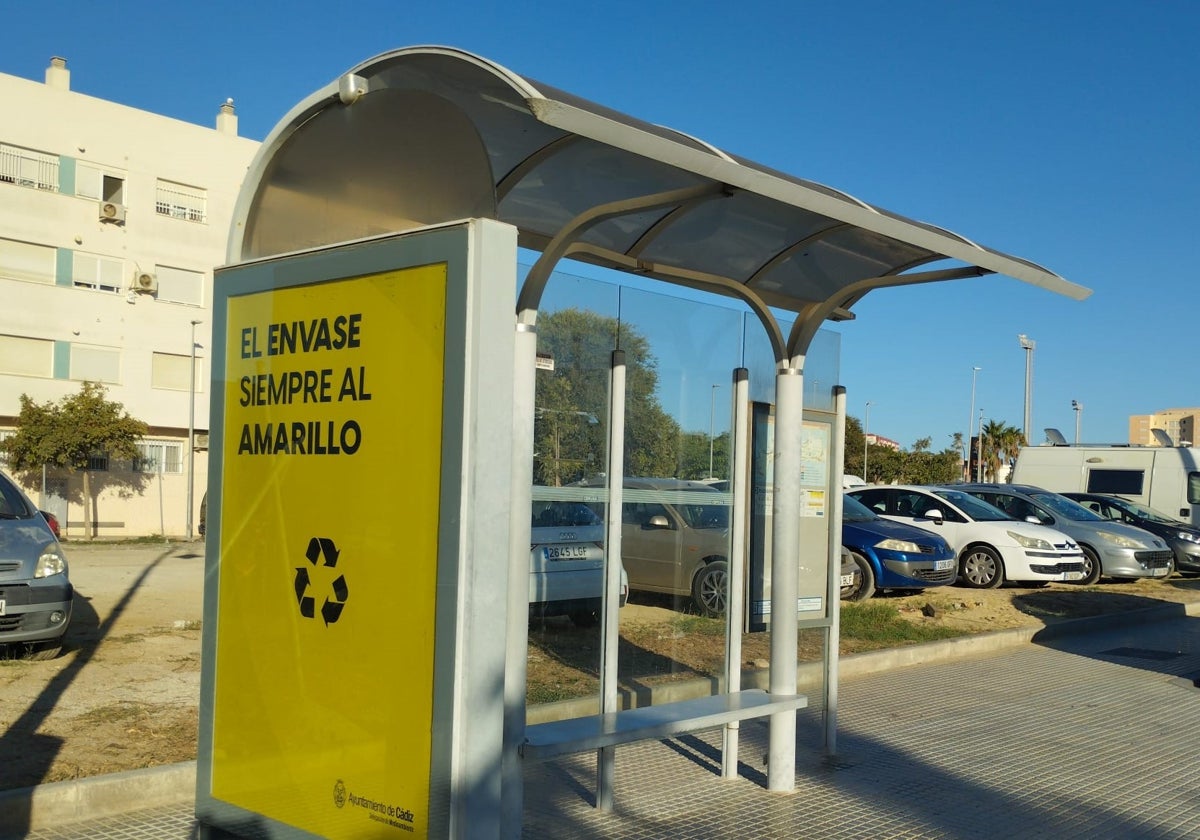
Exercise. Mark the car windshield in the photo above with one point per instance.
(12, 503)
(855, 511)
(1067, 507)
(1146, 513)
(977, 509)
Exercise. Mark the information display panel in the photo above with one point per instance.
(320, 720)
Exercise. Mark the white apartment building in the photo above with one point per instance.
(111, 222)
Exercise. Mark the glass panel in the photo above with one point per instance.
(680, 354)
(577, 327)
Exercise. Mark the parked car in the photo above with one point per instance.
(675, 539)
(892, 555)
(1182, 537)
(52, 521)
(35, 592)
(1109, 548)
(566, 563)
(991, 546)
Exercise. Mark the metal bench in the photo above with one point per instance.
(574, 735)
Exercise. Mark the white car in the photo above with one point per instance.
(992, 546)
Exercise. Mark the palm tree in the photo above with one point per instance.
(1001, 442)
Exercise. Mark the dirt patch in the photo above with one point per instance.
(124, 693)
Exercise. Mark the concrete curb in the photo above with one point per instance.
(59, 803)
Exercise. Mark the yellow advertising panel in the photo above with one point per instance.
(323, 699)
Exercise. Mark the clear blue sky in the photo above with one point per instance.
(1067, 133)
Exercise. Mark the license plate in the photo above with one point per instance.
(847, 580)
(565, 552)
(1074, 576)
(2, 612)
(942, 565)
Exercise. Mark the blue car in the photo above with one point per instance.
(892, 555)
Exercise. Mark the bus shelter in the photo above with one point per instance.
(402, 193)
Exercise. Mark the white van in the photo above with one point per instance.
(1162, 477)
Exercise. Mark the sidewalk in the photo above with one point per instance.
(1086, 735)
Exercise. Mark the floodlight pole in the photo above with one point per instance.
(971, 424)
(866, 419)
(1028, 345)
(191, 471)
(979, 452)
(1078, 408)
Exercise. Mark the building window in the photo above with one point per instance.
(102, 184)
(28, 168)
(159, 456)
(97, 462)
(95, 364)
(91, 271)
(26, 356)
(171, 372)
(26, 261)
(180, 201)
(179, 285)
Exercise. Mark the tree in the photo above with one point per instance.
(1000, 445)
(70, 434)
(572, 401)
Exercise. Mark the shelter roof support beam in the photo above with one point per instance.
(695, 278)
(812, 315)
(539, 275)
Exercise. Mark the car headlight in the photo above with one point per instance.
(1190, 536)
(50, 563)
(1031, 542)
(899, 545)
(1120, 540)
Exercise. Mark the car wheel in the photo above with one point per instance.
(864, 580)
(588, 616)
(43, 650)
(981, 567)
(1091, 567)
(710, 588)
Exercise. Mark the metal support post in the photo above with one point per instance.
(833, 637)
(735, 605)
(517, 636)
(610, 630)
(785, 562)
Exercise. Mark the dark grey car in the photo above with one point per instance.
(35, 593)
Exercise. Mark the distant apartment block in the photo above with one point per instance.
(1178, 423)
(887, 443)
(111, 222)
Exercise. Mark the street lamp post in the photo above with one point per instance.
(979, 453)
(866, 419)
(1078, 408)
(1028, 345)
(712, 404)
(971, 424)
(191, 472)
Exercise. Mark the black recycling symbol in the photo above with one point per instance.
(324, 549)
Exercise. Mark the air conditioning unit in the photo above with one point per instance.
(201, 440)
(145, 282)
(112, 212)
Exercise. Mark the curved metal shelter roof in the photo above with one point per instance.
(425, 135)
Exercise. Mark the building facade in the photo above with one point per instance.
(1178, 423)
(111, 222)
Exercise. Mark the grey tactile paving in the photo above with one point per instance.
(1090, 737)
